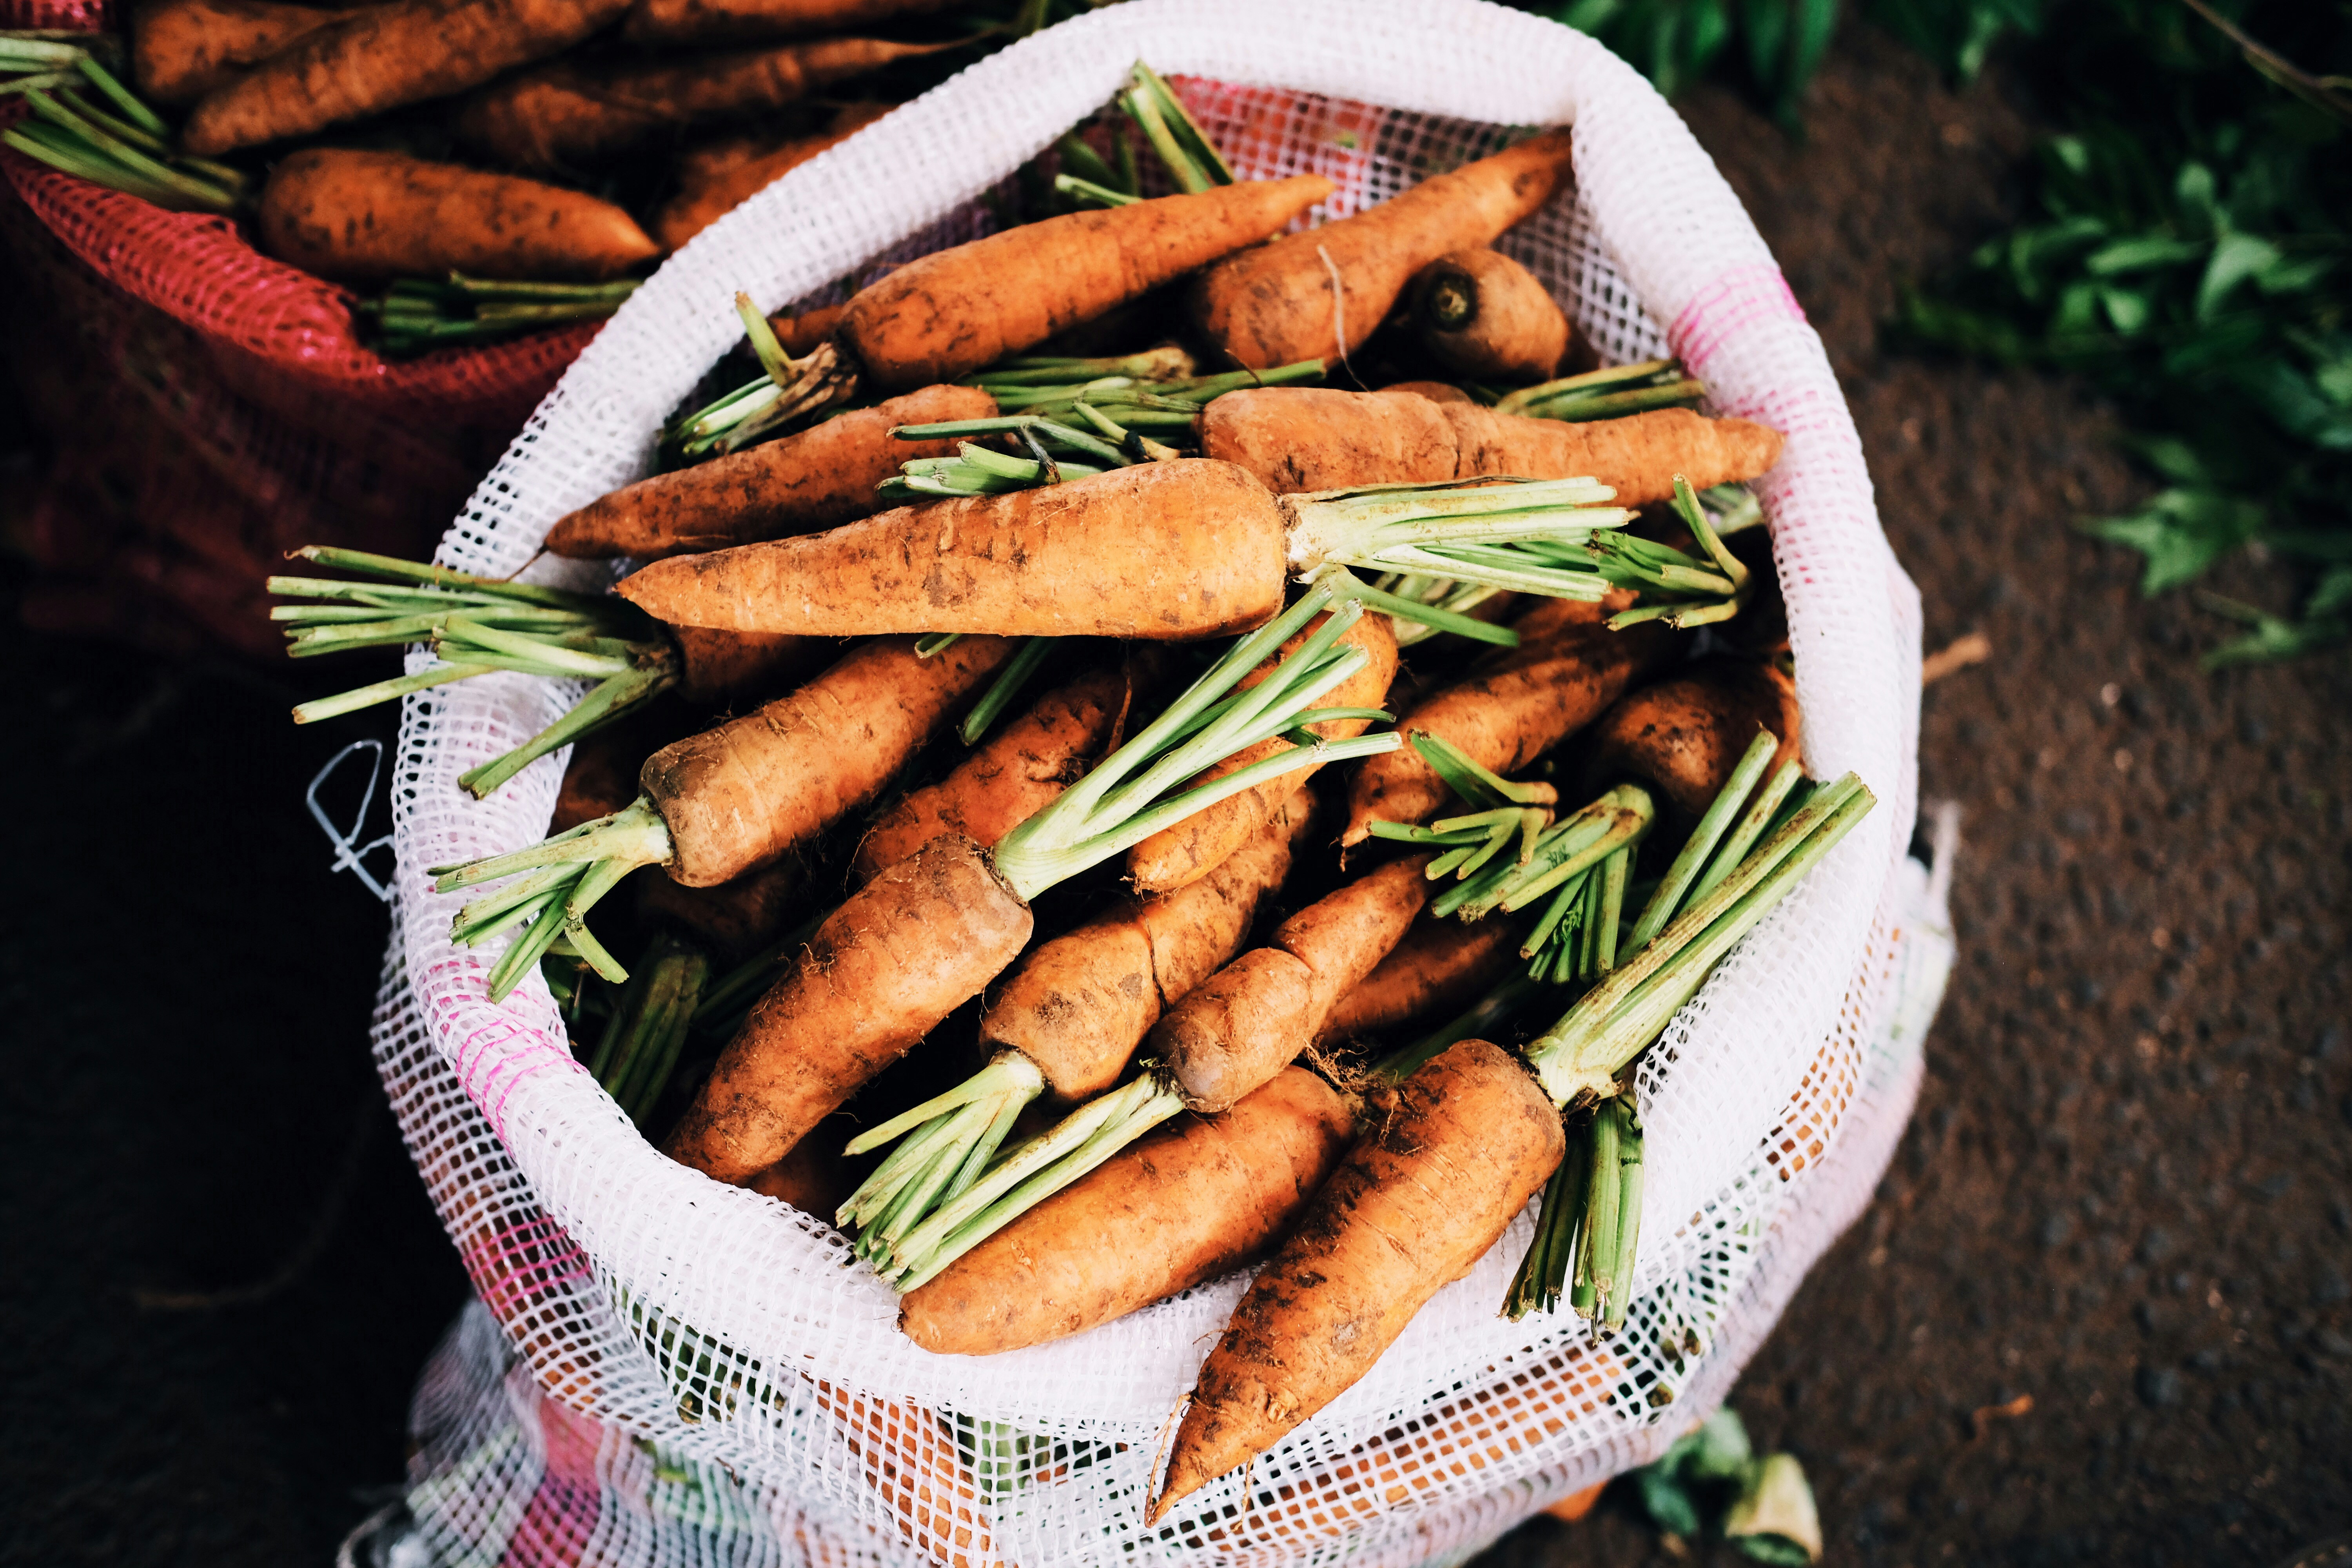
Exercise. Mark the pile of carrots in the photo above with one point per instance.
(1166, 821)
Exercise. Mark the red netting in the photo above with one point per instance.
(207, 408)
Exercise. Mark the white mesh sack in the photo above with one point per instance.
(731, 1338)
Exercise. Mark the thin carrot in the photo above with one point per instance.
(1686, 734)
(1439, 968)
(749, 21)
(361, 217)
(1276, 303)
(1413, 1206)
(1513, 706)
(1482, 315)
(181, 49)
(1187, 1204)
(1255, 1017)
(1310, 438)
(820, 479)
(568, 116)
(714, 180)
(383, 57)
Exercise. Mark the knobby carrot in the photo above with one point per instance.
(181, 49)
(1482, 315)
(364, 216)
(568, 116)
(1275, 304)
(1187, 1204)
(820, 479)
(381, 58)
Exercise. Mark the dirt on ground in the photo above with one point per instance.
(2124, 1197)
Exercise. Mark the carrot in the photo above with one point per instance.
(1190, 849)
(1684, 734)
(810, 1178)
(1253, 1017)
(181, 49)
(746, 21)
(716, 667)
(1414, 1205)
(819, 479)
(1192, 1201)
(1164, 551)
(715, 180)
(736, 919)
(361, 217)
(602, 776)
(799, 336)
(1012, 777)
(949, 313)
(383, 57)
(1482, 315)
(1303, 438)
(566, 116)
(1513, 706)
(1275, 304)
(1435, 391)
(1439, 968)
(1079, 1004)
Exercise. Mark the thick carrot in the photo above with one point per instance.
(181, 49)
(567, 116)
(1253, 1017)
(1020, 770)
(1274, 305)
(1193, 1201)
(361, 217)
(756, 788)
(384, 56)
(1416, 1203)
(942, 922)
(1309, 438)
(1079, 1004)
(820, 479)
(1684, 734)
(1638, 456)
(1190, 849)
(1482, 315)
(713, 181)
(811, 1178)
(1435, 391)
(1437, 970)
(1513, 706)
(947, 315)
(1158, 550)
(749, 21)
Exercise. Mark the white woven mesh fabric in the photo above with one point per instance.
(733, 1329)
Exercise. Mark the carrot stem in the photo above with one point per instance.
(1693, 857)
(1087, 190)
(1542, 1274)
(385, 690)
(1752, 824)
(1016, 674)
(608, 701)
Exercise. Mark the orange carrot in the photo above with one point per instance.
(364, 217)
(1482, 315)
(736, 919)
(1437, 970)
(749, 21)
(1310, 438)
(1275, 305)
(1415, 1204)
(715, 180)
(1079, 1004)
(1193, 846)
(568, 116)
(819, 479)
(799, 336)
(1255, 1017)
(1516, 705)
(717, 668)
(181, 49)
(1015, 774)
(1684, 734)
(1190, 1202)
(947, 315)
(381, 58)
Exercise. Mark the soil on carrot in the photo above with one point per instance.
(2125, 1193)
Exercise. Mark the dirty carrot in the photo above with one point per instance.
(1439, 968)
(1320, 293)
(1482, 315)
(384, 56)
(715, 180)
(363, 217)
(673, 22)
(181, 49)
(1686, 734)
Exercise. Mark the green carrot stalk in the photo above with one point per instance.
(1608, 394)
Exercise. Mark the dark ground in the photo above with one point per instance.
(2124, 1195)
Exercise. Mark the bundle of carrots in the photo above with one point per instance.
(1072, 1094)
